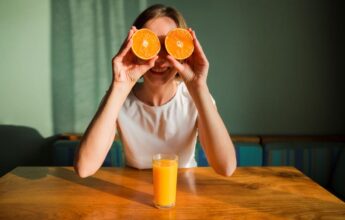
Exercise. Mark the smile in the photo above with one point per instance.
(158, 70)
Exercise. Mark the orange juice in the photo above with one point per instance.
(164, 180)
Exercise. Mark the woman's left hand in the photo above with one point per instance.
(194, 69)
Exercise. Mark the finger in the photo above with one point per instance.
(125, 50)
(127, 43)
(152, 61)
(130, 33)
(128, 38)
(148, 65)
(177, 65)
(197, 45)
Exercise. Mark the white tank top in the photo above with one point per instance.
(170, 128)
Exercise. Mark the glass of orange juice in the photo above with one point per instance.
(164, 168)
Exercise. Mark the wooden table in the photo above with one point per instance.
(116, 193)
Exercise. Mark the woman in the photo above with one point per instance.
(164, 114)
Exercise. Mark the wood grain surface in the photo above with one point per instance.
(125, 193)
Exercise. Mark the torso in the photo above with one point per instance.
(170, 128)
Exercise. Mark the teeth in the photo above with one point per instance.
(159, 69)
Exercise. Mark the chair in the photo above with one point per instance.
(248, 152)
(21, 146)
(314, 156)
(63, 152)
(338, 178)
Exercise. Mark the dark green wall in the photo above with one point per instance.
(275, 65)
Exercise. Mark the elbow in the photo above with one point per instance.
(83, 171)
(228, 169)
(82, 167)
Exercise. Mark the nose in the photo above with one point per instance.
(162, 55)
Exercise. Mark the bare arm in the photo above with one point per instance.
(100, 133)
(213, 134)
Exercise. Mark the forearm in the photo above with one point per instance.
(100, 133)
(213, 134)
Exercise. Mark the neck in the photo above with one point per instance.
(156, 95)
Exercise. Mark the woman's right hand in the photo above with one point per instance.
(127, 68)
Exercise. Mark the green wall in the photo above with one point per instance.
(275, 65)
(25, 88)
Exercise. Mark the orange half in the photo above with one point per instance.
(145, 44)
(179, 43)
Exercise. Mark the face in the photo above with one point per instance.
(162, 72)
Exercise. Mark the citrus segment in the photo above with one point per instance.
(145, 44)
(179, 43)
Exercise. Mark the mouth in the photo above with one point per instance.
(159, 70)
